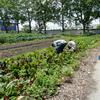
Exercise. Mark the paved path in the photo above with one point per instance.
(95, 94)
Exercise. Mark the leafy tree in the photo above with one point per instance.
(83, 11)
(43, 13)
(96, 9)
(5, 12)
(27, 12)
(16, 13)
(62, 11)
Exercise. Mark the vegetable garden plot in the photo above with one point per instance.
(39, 73)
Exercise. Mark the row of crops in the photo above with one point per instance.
(38, 74)
(12, 38)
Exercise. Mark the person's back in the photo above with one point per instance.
(59, 45)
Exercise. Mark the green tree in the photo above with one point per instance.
(83, 11)
(5, 12)
(27, 12)
(62, 11)
(43, 13)
(96, 13)
(16, 13)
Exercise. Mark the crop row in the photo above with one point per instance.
(11, 38)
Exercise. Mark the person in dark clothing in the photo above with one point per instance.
(59, 45)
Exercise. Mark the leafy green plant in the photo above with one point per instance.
(14, 37)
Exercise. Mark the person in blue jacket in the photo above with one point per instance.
(59, 45)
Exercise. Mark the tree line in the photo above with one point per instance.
(43, 11)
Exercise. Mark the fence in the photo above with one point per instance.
(73, 31)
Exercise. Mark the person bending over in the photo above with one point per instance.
(59, 45)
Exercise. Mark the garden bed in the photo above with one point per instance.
(40, 73)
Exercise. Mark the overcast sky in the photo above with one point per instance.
(52, 26)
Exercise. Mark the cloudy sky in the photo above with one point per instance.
(52, 26)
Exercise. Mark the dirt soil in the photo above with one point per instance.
(80, 87)
(23, 47)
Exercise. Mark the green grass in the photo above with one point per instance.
(38, 74)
